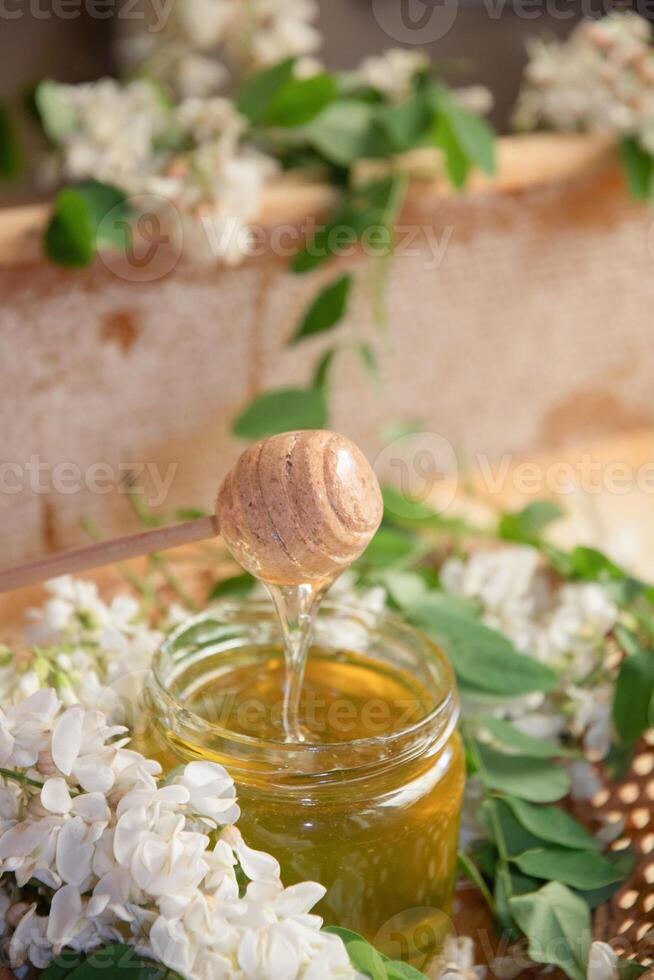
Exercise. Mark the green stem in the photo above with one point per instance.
(503, 851)
(470, 869)
(18, 777)
(173, 582)
(389, 219)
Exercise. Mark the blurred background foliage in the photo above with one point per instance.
(485, 44)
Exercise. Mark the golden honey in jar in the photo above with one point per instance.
(368, 802)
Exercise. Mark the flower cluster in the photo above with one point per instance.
(96, 847)
(107, 131)
(392, 72)
(91, 652)
(601, 78)
(89, 829)
(190, 155)
(564, 625)
(192, 49)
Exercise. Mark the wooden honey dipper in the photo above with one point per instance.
(298, 507)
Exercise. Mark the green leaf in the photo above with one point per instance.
(391, 547)
(557, 924)
(639, 167)
(321, 375)
(510, 736)
(281, 411)
(366, 959)
(483, 658)
(362, 208)
(627, 639)
(473, 134)
(397, 504)
(109, 211)
(69, 235)
(402, 509)
(591, 565)
(467, 866)
(367, 355)
(398, 970)
(300, 100)
(535, 780)
(500, 824)
(577, 869)
(258, 90)
(85, 217)
(116, 960)
(406, 123)
(599, 896)
(398, 430)
(527, 525)
(633, 699)
(630, 970)
(11, 154)
(56, 110)
(348, 131)
(237, 585)
(326, 310)
(552, 824)
(347, 935)
(405, 589)
(457, 164)
(63, 965)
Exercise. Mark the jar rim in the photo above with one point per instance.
(436, 726)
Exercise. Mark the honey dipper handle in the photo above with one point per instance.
(107, 552)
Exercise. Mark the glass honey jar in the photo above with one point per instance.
(368, 802)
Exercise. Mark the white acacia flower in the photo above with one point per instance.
(503, 579)
(173, 946)
(123, 857)
(393, 72)
(80, 749)
(25, 728)
(115, 132)
(599, 79)
(592, 718)
(563, 625)
(108, 650)
(264, 32)
(204, 22)
(211, 792)
(71, 917)
(602, 962)
(475, 98)
(29, 941)
(457, 961)
(585, 781)
(29, 849)
(194, 48)
(197, 76)
(579, 625)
